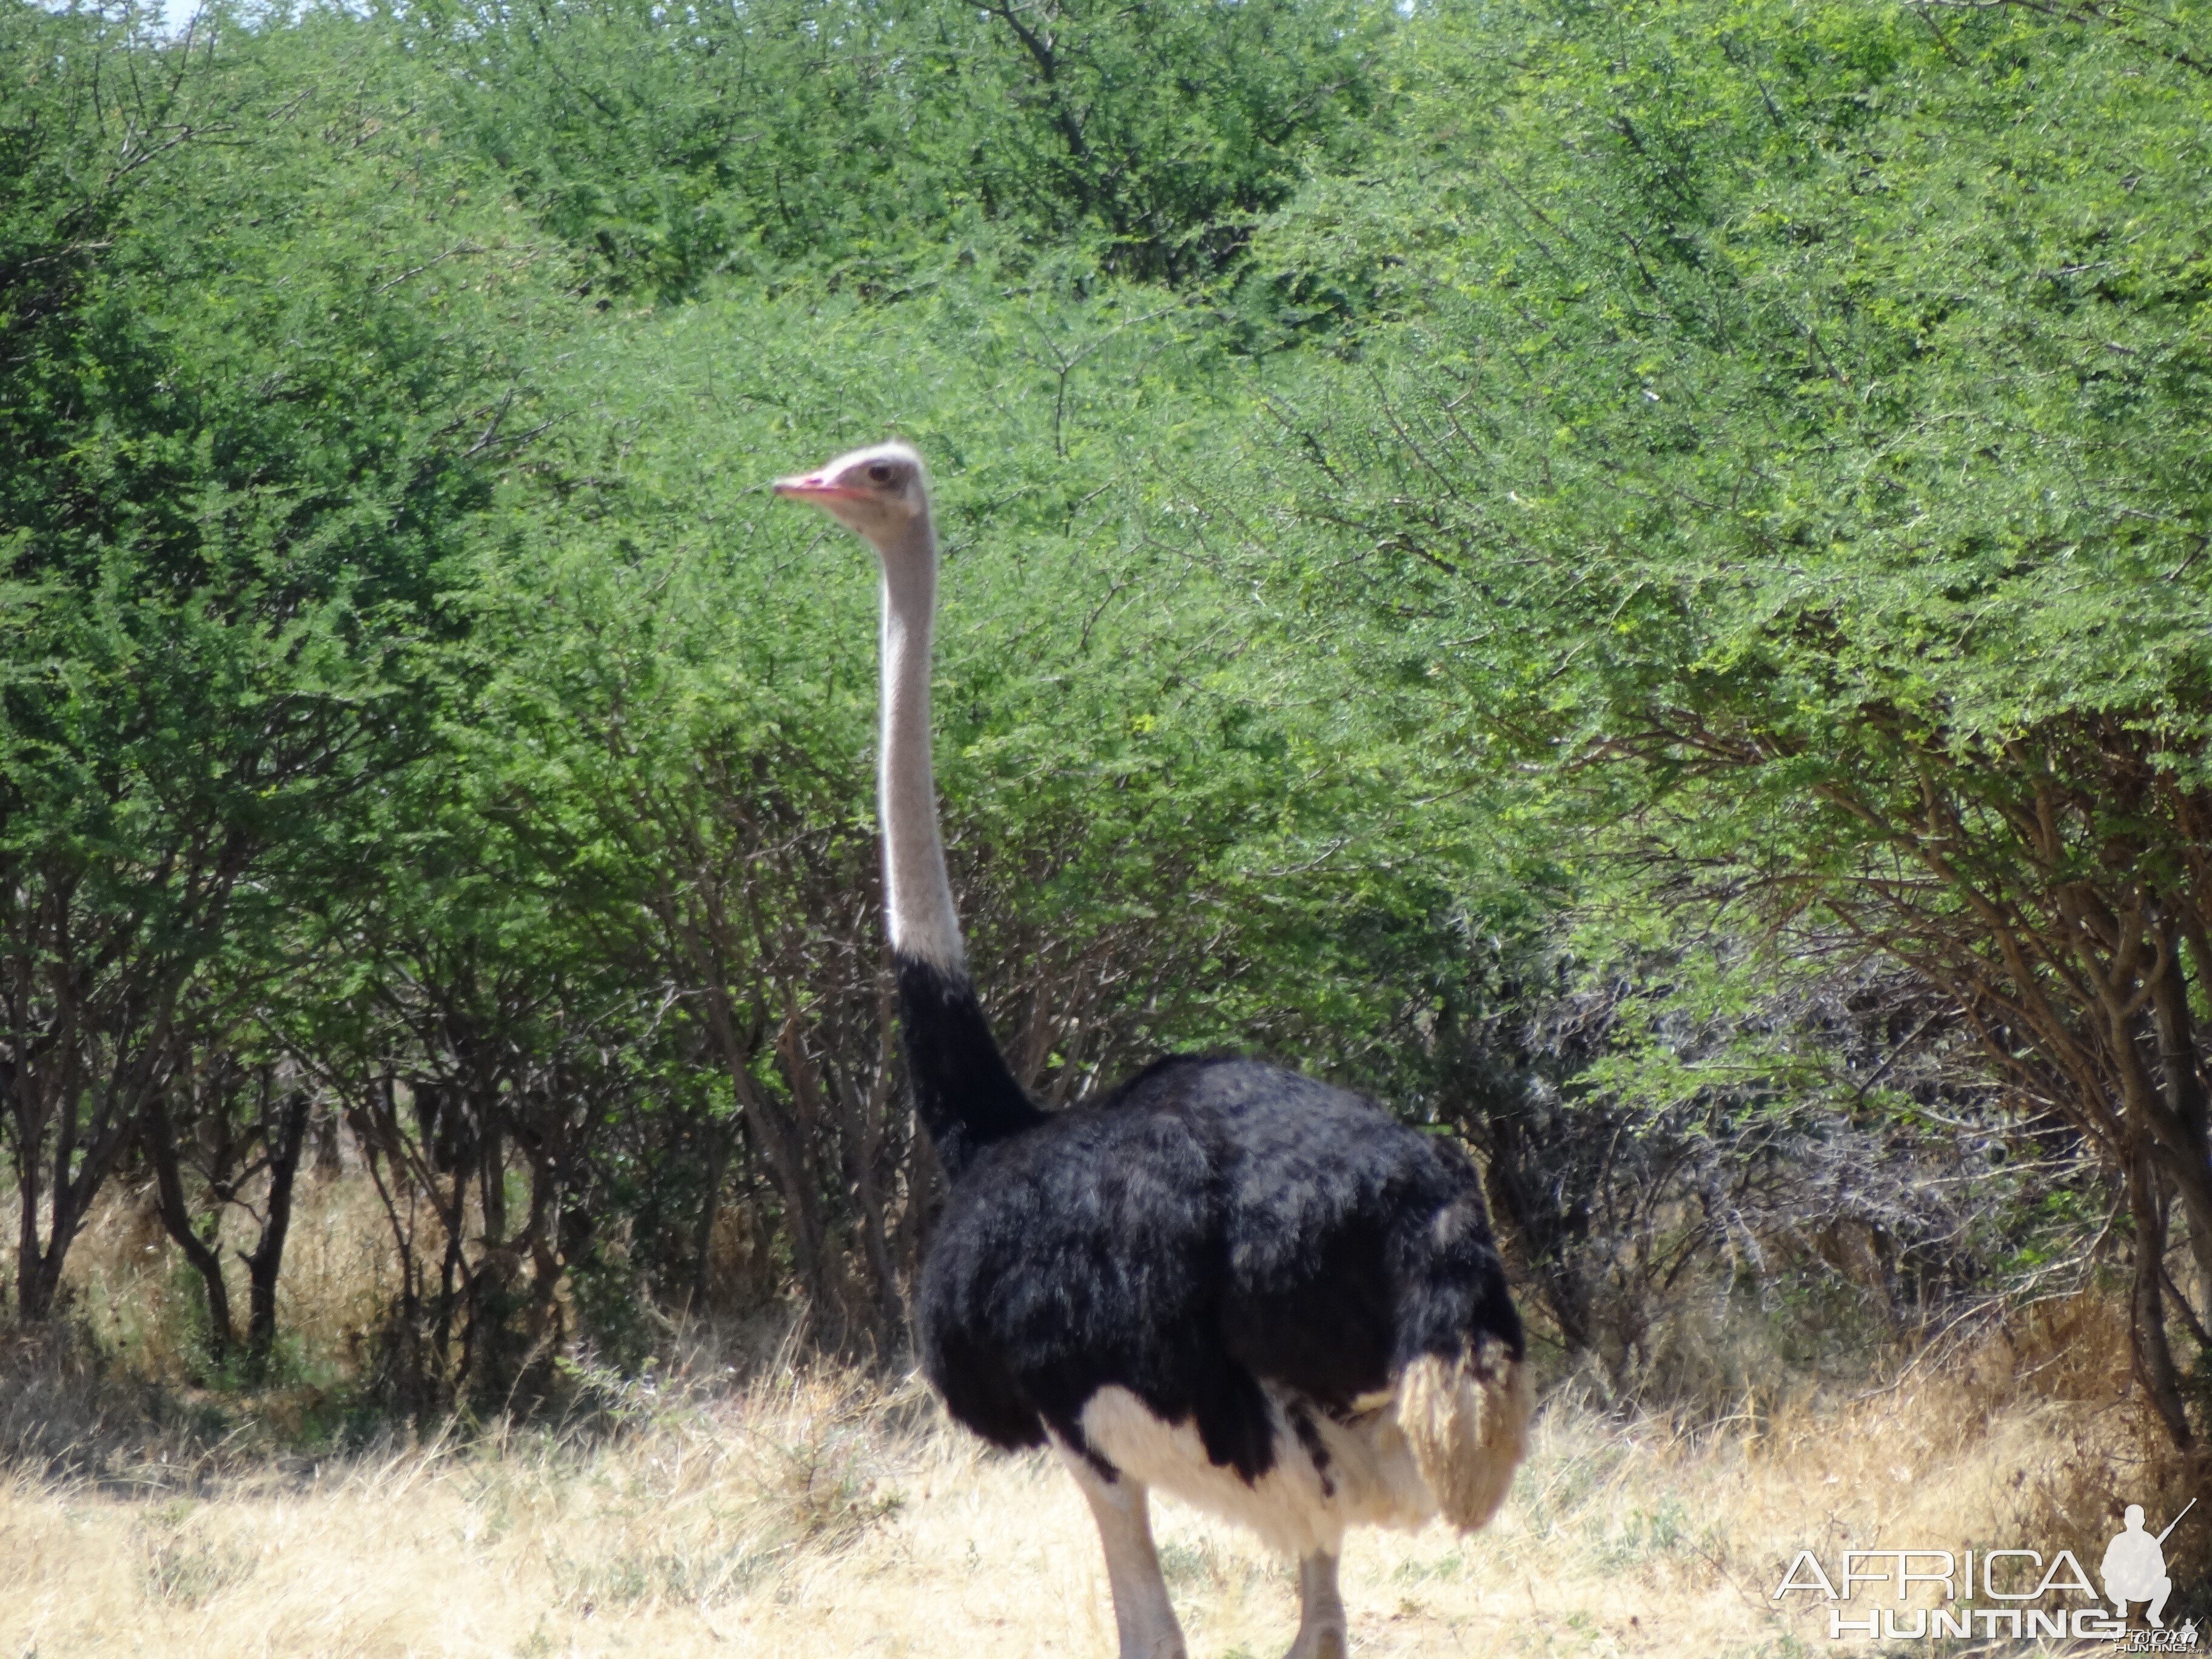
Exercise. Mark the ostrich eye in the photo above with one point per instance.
(879, 472)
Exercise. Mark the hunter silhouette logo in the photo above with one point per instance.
(2135, 1566)
(1993, 1593)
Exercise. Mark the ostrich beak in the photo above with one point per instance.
(813, 487)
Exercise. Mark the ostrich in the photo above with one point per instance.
(1223, 1279)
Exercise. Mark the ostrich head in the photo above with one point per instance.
(879, 492)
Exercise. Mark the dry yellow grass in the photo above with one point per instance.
(809, 1515)
(817, 1515)
(132, 1293)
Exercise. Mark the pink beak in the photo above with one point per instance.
(813, 486)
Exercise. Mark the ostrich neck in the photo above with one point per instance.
(917, 894)
(963, 1092)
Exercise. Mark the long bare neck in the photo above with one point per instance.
(917, 893)
(963, 1092)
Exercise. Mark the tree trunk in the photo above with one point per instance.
(2185, 1094)
(710, 1206)
(807, 1087)
(780, 1147)
(28, 1134)
(286, 1136)
(158, 1137)
(1529, 1217)
(2153, 1356)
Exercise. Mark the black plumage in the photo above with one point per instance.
(1212, 1225)
(963, 1094)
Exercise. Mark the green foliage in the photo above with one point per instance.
(1790, 362)
(1473, 535)
(1785, 426)
(238, 470)
(872, 138)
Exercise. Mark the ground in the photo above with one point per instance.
(816, 1516)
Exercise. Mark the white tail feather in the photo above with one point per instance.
(1467, 1421)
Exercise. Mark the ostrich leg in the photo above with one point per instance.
(1320, 1616)
(1143, 1615)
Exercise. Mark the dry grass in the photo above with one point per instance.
(132, 1293)
(813, 1514)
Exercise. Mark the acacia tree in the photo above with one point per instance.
(861, 136)
(1790, 427)
(227, 547)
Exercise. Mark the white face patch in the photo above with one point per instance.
(881, 492)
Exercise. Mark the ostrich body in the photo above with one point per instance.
(1224, 1279)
